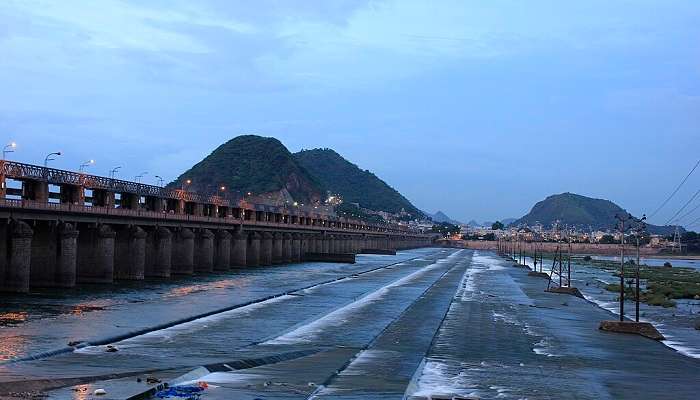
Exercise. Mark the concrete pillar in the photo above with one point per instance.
(183, 252)
(277, 248)
(238, 248)
(159, 253)
(305, 244)
(287, 248)
(15, 265)
(253, 250)
(326, 244)
(296, 248)
(204, 250)
(130, 253)
(266, 249)
(67, 256)
(35, 190)
(96, 255)
(223, 251)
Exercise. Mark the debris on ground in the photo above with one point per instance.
(111, 349)
(187, 392)
(99, 392)
(152, 380)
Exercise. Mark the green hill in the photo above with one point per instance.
(342, 177)
(580, 211)
(254, 164)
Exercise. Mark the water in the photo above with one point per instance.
(655, 262)
(422, 323)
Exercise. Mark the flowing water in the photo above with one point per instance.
(428, 323)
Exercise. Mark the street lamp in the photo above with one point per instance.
(85, 164)
(160, 181)
(113, 172)
(221, 189)
(138, 177)
(9, 148)
(187, 182)
(50, 158)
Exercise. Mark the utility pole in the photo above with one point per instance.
(622, 219)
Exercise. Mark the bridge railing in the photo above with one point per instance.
(166, 216)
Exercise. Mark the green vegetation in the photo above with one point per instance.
(497, 226)
(662, 284)
(354, 185)
(252, 164)
(445, 228)
(573, 209)
(352, 211)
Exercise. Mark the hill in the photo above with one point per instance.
(254, 164)
(442, 217)
(580, 211)
(353, 184)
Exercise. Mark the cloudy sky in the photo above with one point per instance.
(476, 108)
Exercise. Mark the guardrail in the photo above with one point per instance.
(140, 213)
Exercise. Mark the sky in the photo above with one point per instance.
(476, 108)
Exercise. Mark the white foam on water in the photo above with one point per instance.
(438, 378)
(308, 332)
(222, 377)
(677, 345)
(184, 328)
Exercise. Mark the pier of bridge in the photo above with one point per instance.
(97, 230)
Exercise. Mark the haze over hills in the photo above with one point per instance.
(264, 166)
(579, 211)
(354, 185)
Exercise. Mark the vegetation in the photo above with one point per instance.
(252, 164)
(663, 285)
(576, 210)
(445, 228)
(497, 226)
(352, 211)
(354, 185)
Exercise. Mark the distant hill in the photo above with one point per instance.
(254, 164)
(442, 217)
(339, 176)
(508, 221)
(580, 211)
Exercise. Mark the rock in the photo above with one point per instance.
(152, 380)
(99, 392)
(111, 349)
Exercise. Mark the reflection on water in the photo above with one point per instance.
(12, 346)
(12, 318)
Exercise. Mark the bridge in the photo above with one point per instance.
(61, 228)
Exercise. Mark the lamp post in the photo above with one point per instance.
(113, 172)
(160, 181)
(85, 165)
(138, 177)
(50, 158)
(9, 148)
(187, 182)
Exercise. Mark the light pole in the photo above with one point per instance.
(50, 158)
(221, 189)
(185, 183)
(113, 172)
(85, 165)
(160, 181)
(9, 148)
(138, 177)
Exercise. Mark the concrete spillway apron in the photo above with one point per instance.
(165, 325)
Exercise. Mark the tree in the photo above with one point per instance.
(607, 239)
(445, 228)
(496, 226)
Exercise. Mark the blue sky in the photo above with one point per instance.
(475, 108)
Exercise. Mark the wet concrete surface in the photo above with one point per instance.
(442, 322)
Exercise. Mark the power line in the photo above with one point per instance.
(683, 208)
(675, 191)
(682, 217)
